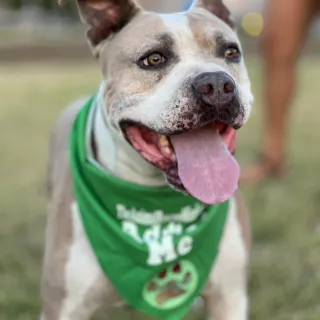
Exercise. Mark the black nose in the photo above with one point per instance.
(214, 88)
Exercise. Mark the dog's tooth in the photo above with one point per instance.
(164, 141)
(167, 150)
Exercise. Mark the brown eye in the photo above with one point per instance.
(232, 54)
(154, 59)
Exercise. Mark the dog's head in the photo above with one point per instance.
(176, 88)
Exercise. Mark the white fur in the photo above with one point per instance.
(123, 162)
(83, 274)
(229, 274)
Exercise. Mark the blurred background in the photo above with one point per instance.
(45, 64)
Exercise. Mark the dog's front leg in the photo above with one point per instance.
(226, 294)
(75, 288)
(232, 306)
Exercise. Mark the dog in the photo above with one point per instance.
(175, 91)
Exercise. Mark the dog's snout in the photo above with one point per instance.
(214, 88)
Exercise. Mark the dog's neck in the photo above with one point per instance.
(116, 155)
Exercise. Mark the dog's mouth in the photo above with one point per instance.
(198, 161)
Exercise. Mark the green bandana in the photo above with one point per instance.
(156, 245)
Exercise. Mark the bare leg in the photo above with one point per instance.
(287, 24)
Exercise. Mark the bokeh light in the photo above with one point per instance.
(252, 23)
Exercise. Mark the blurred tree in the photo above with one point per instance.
(47, 5)
(15, 4)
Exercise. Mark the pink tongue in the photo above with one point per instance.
(206, 168)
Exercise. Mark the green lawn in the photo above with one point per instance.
(285, 277)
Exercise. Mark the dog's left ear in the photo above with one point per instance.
(105, 17)
(218, 8)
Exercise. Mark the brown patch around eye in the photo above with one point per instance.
(154, 59)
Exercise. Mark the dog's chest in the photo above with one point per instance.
(161, 241)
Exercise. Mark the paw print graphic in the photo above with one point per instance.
(172, 286)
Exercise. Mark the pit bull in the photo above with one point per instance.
(175, 91)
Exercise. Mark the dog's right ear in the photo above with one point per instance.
(105, 17)
(218, 8)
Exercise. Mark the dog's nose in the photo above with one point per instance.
(214, 88)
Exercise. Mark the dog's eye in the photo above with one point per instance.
(154, 60)
(232, 54)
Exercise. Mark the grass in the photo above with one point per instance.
(285, 276)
